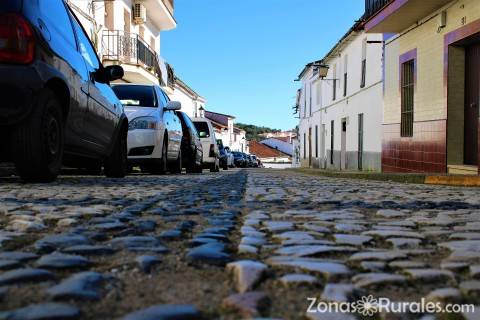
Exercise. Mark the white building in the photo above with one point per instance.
(191, 101)
(341, 111)
(127, 33)
(280, 144)
(225, 130)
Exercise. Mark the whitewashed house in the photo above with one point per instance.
(340, 105)
(191, 101)
(127, 33)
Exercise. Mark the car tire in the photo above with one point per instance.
(38, 142)
(161, 166)
(176, 166)
(192, 165)
(116, 163)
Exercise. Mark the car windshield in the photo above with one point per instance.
(237, 155)
(202, 128)
(137, 96)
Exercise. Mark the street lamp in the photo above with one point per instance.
(323, 71)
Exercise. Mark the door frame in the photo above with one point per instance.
(452, 39)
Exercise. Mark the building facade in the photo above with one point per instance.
(127, 33)
(341, 113)
(432, 84)
(191, 101)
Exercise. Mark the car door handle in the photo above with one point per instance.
(473, 105)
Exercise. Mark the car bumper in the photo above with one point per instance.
(143, 145)
(19, 86)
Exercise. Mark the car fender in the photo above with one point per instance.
(122, 123)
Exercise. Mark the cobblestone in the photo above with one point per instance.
(196, 246)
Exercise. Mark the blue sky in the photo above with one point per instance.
(243, 55)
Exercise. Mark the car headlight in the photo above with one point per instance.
(144, 123)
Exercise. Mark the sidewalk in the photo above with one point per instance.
(433, 179)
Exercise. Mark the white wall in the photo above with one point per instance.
(317, 106)
(280, 145)
(190, 105)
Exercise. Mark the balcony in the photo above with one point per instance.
(394, 16)
(138, 59)
(160, 12)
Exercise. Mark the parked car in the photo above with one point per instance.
(255, 161)
(57, 105)
(192, 150)
(231, 159)
(225, 157)
(239, 159)
(250, 162)
(154, 131)
(209, 143)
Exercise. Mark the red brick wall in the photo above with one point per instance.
(425, 152)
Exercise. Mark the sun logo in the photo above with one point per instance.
(368, 306)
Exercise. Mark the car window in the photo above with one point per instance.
(190, 124)
(85, 46)
(162, 99)
(138, 96)
(202, 128)
(10, 5)
(56, 13)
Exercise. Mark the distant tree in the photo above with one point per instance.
(253, 132)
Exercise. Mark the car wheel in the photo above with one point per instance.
(199, 168)
(192, 164)
(176, 166)
(161, 166)
(116, 163)
(38, 142)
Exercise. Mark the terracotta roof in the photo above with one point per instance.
(218, 117)
(263, 151)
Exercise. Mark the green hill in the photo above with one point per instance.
(253, 132)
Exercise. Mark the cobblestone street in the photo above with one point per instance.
(236, 245)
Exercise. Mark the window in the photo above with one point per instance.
(85, 47)
(310, 101)
(363, 79)
(109, 12)
(304, 146)
(334, 89)
(408, 91)
(135, 95)
(345, 76)
(332, 129)
(364, 73)
(316, 141)
(163, 98)
(57, 15)
(360, 141)
(202, 128)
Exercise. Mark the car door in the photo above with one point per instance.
(178, 134)
(103, 110)
(55, 26)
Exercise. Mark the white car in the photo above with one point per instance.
(209, 144)
(154, 130)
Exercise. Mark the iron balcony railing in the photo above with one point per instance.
(129, 48)
(374, 6)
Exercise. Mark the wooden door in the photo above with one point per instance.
(472, 98)
(310, 147)
(343, 157)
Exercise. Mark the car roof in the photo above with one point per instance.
(200, 120)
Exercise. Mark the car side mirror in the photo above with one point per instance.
(173, 106)
(109, 73)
